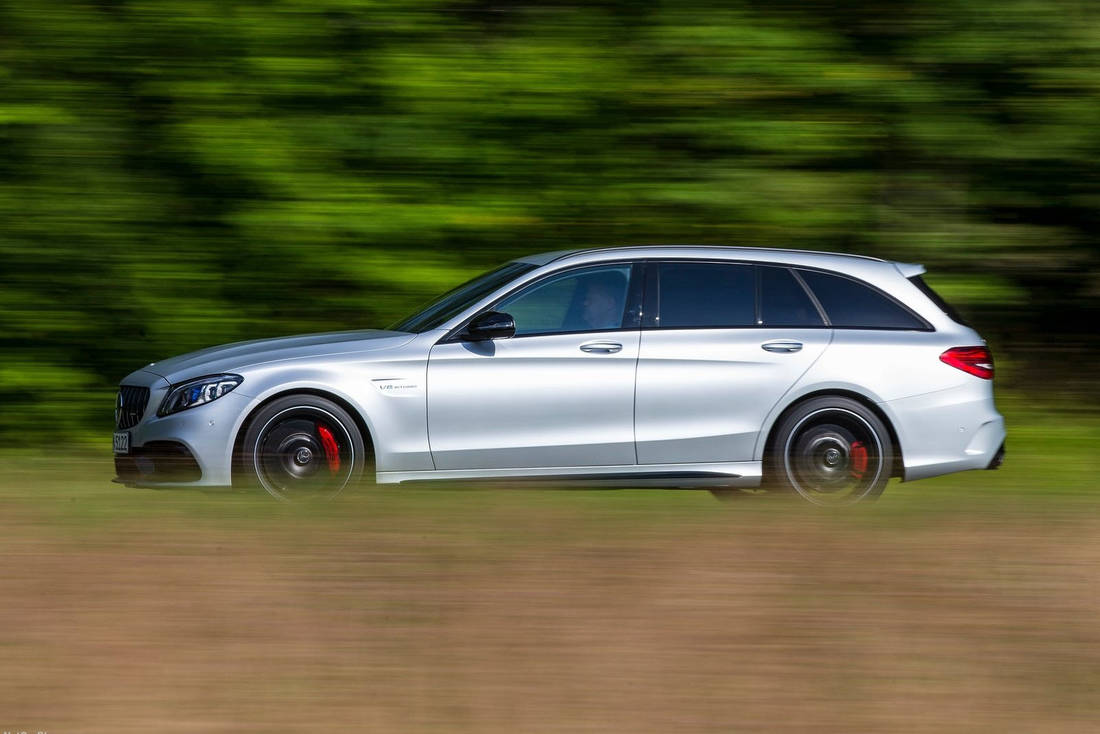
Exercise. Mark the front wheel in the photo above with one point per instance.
(302, 447)
(832, 451)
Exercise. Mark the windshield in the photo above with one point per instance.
(453, 302)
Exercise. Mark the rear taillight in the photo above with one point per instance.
(976, 360)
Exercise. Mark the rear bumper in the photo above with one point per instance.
(948, 431)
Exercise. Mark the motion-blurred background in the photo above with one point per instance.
(180, 174)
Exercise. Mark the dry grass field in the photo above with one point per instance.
(962, 604)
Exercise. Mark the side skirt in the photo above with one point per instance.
(687, 476)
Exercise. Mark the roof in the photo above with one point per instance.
(726, 249)
(803, 257)
(886, 275)
(872, 269)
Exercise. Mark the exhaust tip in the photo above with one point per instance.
(998, 458)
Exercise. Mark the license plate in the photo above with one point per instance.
(122, 442)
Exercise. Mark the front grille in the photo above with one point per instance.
(130, 405)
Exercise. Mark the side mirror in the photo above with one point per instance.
(489, 325)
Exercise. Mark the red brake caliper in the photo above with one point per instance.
(859, 459)
(332, 451)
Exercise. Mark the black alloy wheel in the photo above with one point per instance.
(303, 447)
(832, 451)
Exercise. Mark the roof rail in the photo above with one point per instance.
(585, 251)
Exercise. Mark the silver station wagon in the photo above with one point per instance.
(714, 367)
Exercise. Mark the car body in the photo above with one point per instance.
(645, 366)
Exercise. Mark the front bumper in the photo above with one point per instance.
(157, 462)
(190, 448)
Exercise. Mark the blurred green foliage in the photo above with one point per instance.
(179, 174)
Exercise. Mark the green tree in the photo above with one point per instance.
(181, 173)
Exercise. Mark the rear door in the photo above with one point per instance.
(722, 342)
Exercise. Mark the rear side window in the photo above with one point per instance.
(851, 304)
(783, 300)
(701, 295)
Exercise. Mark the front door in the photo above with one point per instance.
(559, 393)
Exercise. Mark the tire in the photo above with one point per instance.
(303, 447)
(831, 451)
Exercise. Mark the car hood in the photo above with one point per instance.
(241, 355)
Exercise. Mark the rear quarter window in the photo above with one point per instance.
(783, 300)
(854, 305)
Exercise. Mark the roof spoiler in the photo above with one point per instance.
(909, 270)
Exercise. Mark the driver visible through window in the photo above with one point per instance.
(591, 299)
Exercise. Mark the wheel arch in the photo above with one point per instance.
(356, 415)
(897, 470)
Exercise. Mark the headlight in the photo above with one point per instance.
(197, 392)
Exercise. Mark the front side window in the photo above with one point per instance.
(851, 304)
(693, 295)
(587, 299)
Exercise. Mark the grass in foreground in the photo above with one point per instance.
(966, 603)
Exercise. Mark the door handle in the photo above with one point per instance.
(782, 347)
(601, 347)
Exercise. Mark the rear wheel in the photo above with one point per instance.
(303, 447)
(832, 451)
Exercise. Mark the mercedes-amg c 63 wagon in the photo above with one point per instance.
(717, 367)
